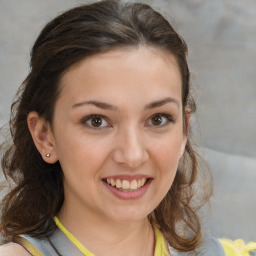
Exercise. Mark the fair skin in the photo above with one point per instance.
(118, 120)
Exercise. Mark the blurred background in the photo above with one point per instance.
(221, 35)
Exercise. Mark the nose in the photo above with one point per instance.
(130, 148)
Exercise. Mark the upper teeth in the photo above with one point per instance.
(126, 184)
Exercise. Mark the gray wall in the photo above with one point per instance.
(222, 41)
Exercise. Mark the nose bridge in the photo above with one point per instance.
(130, 147)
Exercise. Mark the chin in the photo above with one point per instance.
(130, 215)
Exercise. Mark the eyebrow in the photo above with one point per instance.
(107, 106)
(162, 102)
(98, 104)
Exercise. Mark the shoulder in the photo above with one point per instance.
(13, 249)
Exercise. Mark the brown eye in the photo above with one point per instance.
(156, 120)
(159, 120)
(96, 121)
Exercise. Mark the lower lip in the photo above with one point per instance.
(128, 195)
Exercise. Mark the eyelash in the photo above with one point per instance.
(87, 119)
(168, 119)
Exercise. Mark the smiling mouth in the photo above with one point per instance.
(126, 185)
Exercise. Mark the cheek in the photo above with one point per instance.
(80, 165)
(166, 164)
(167, 155)
(78, 155)
(168, 150)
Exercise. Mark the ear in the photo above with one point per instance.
(43, 137)
(185, 132)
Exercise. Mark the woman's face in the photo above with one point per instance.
(118, 132)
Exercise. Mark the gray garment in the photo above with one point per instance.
(59, 244)
(55, 245)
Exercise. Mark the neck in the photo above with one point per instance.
(109, 238)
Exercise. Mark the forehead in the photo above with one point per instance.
(143, 68)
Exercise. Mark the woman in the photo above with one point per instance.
(101, 154)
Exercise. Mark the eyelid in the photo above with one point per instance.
(89, 117)
(169, 118)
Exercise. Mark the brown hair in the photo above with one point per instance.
(86, 30)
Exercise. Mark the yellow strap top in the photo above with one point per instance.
(160, 246)
(237, 247)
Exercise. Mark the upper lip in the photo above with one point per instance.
(127, 177)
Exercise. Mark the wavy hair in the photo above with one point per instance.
(72, 36)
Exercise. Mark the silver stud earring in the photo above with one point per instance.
(48, 155)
